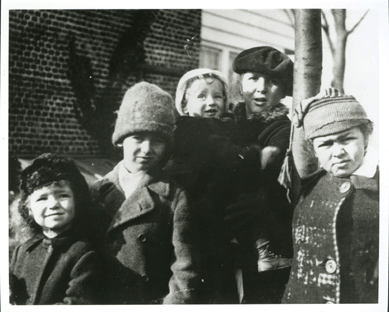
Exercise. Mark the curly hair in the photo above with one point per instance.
(46, 170)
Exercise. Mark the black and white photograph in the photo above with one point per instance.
(206, 155)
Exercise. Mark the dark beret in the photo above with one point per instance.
(266, 60)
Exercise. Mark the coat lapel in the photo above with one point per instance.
(139, 203)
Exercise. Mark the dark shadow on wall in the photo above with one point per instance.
(97, 114)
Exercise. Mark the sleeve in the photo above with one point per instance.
(186, 255)
(85, 280)
(14, 287)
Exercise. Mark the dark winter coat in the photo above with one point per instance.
(63, 270)
(265, 210)
(149, 241)
(212, 167)
(269, 129)
(336, 239)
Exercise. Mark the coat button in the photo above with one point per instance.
(345, 187)
(331, 266)
(145, 278)
(142, 238)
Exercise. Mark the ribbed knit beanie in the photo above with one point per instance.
(266, 60)
(332, 115)
(200, 72)
(145, 107)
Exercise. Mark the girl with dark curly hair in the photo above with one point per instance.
(57, 264)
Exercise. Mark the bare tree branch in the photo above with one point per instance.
(356, 25)
(291, 14)
(326, 29)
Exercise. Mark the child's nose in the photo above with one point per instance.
(338, 150)
(210, 100)
(52, 202)
(146, 146)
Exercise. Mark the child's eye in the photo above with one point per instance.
(64, 195)
(41, 199)
(325, 144)
(137, 138)
(218, 96)
(201, 96)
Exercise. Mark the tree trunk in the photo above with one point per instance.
(307, 81)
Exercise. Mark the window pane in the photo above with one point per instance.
(210, 58)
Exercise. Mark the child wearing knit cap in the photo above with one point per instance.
(57, 264)
(210, 163)
(336, 220)
(148, 230)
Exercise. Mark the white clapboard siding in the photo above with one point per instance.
(232, 31)
(242, 29)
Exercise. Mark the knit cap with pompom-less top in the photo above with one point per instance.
(332, 115)
(145, 108)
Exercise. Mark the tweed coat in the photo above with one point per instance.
(336, 239)
(148, 240)
(65, 271)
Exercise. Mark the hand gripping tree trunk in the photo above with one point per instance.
(307, 81)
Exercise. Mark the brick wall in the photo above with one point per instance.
(69, 69)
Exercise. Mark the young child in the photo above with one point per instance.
(57, 265)
(336, 220)
(210, 163)
(148, 229)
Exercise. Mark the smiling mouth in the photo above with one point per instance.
(54, 214)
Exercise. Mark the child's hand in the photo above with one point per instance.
(268, 155)
(303, 107)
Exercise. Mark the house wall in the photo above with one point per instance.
(69, 69)
(228, 32)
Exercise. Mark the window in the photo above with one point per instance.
(232, 56)
(210, 58)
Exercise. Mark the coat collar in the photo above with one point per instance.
(140, 202)
(62, 241)
(359, 182)
(280, 111)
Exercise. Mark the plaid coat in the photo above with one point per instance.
(335, 229)
(63, 270)
(149, 241)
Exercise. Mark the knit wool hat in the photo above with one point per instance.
(145, 107)
(333, 115)
(266, 60)
(200, 72)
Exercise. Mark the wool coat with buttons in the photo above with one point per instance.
(148, 240)
(64, 272)
(336, 239)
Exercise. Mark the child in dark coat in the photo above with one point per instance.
(210, 163)
(57, 265)
(148, 229)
